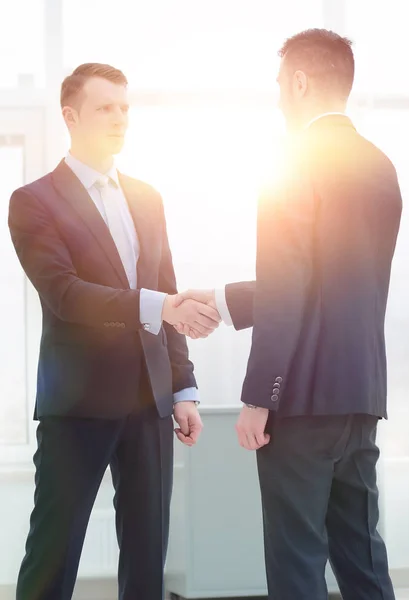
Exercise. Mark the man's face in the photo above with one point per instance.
(101, 120)
(293, 87)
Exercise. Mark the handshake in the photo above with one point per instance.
(192, 313)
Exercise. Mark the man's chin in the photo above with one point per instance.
(116, 145)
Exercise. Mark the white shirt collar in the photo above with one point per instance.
(87, 175)
(328, 114)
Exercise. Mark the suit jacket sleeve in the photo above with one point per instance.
(46, 261)
(182, 367)
(240, 300)
(285, 230)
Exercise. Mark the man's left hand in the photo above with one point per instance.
(190, 424)
(251, 428)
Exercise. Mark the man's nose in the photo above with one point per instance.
(119, 117)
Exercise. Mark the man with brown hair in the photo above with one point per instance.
(93, 242)
(315, 386)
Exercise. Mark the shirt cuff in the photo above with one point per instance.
(187, 395)
(150, 310)
(221, 305)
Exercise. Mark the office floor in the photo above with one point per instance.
(400, 595)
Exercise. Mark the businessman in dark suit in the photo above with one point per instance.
(315, 385)
(93, 242)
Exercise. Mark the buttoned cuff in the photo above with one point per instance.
(187, 395)
(150, 310)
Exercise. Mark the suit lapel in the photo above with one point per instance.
(74, 193)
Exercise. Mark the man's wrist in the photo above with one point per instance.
(190, 394)
(151, 309)
(222, 306)
(166, 309)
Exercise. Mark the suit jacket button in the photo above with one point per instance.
(276, 388)
(123, 325)
(274, 398)
(117, 324)
(146, 326)
(279, 379)
(106, 324)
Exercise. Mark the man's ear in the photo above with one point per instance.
(70, 116)
(300, 83)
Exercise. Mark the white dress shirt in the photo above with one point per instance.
(105, 187)
(220, 294)
(327, 114)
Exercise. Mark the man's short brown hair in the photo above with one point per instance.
(73, 85)
(324, 55)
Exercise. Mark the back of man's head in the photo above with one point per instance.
(325, 57)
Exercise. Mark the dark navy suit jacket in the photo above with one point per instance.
(93, 345)
(326, 238)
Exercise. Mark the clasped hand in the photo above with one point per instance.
(192, 313)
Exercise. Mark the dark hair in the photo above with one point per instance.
(73, 85)
(324, 56)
